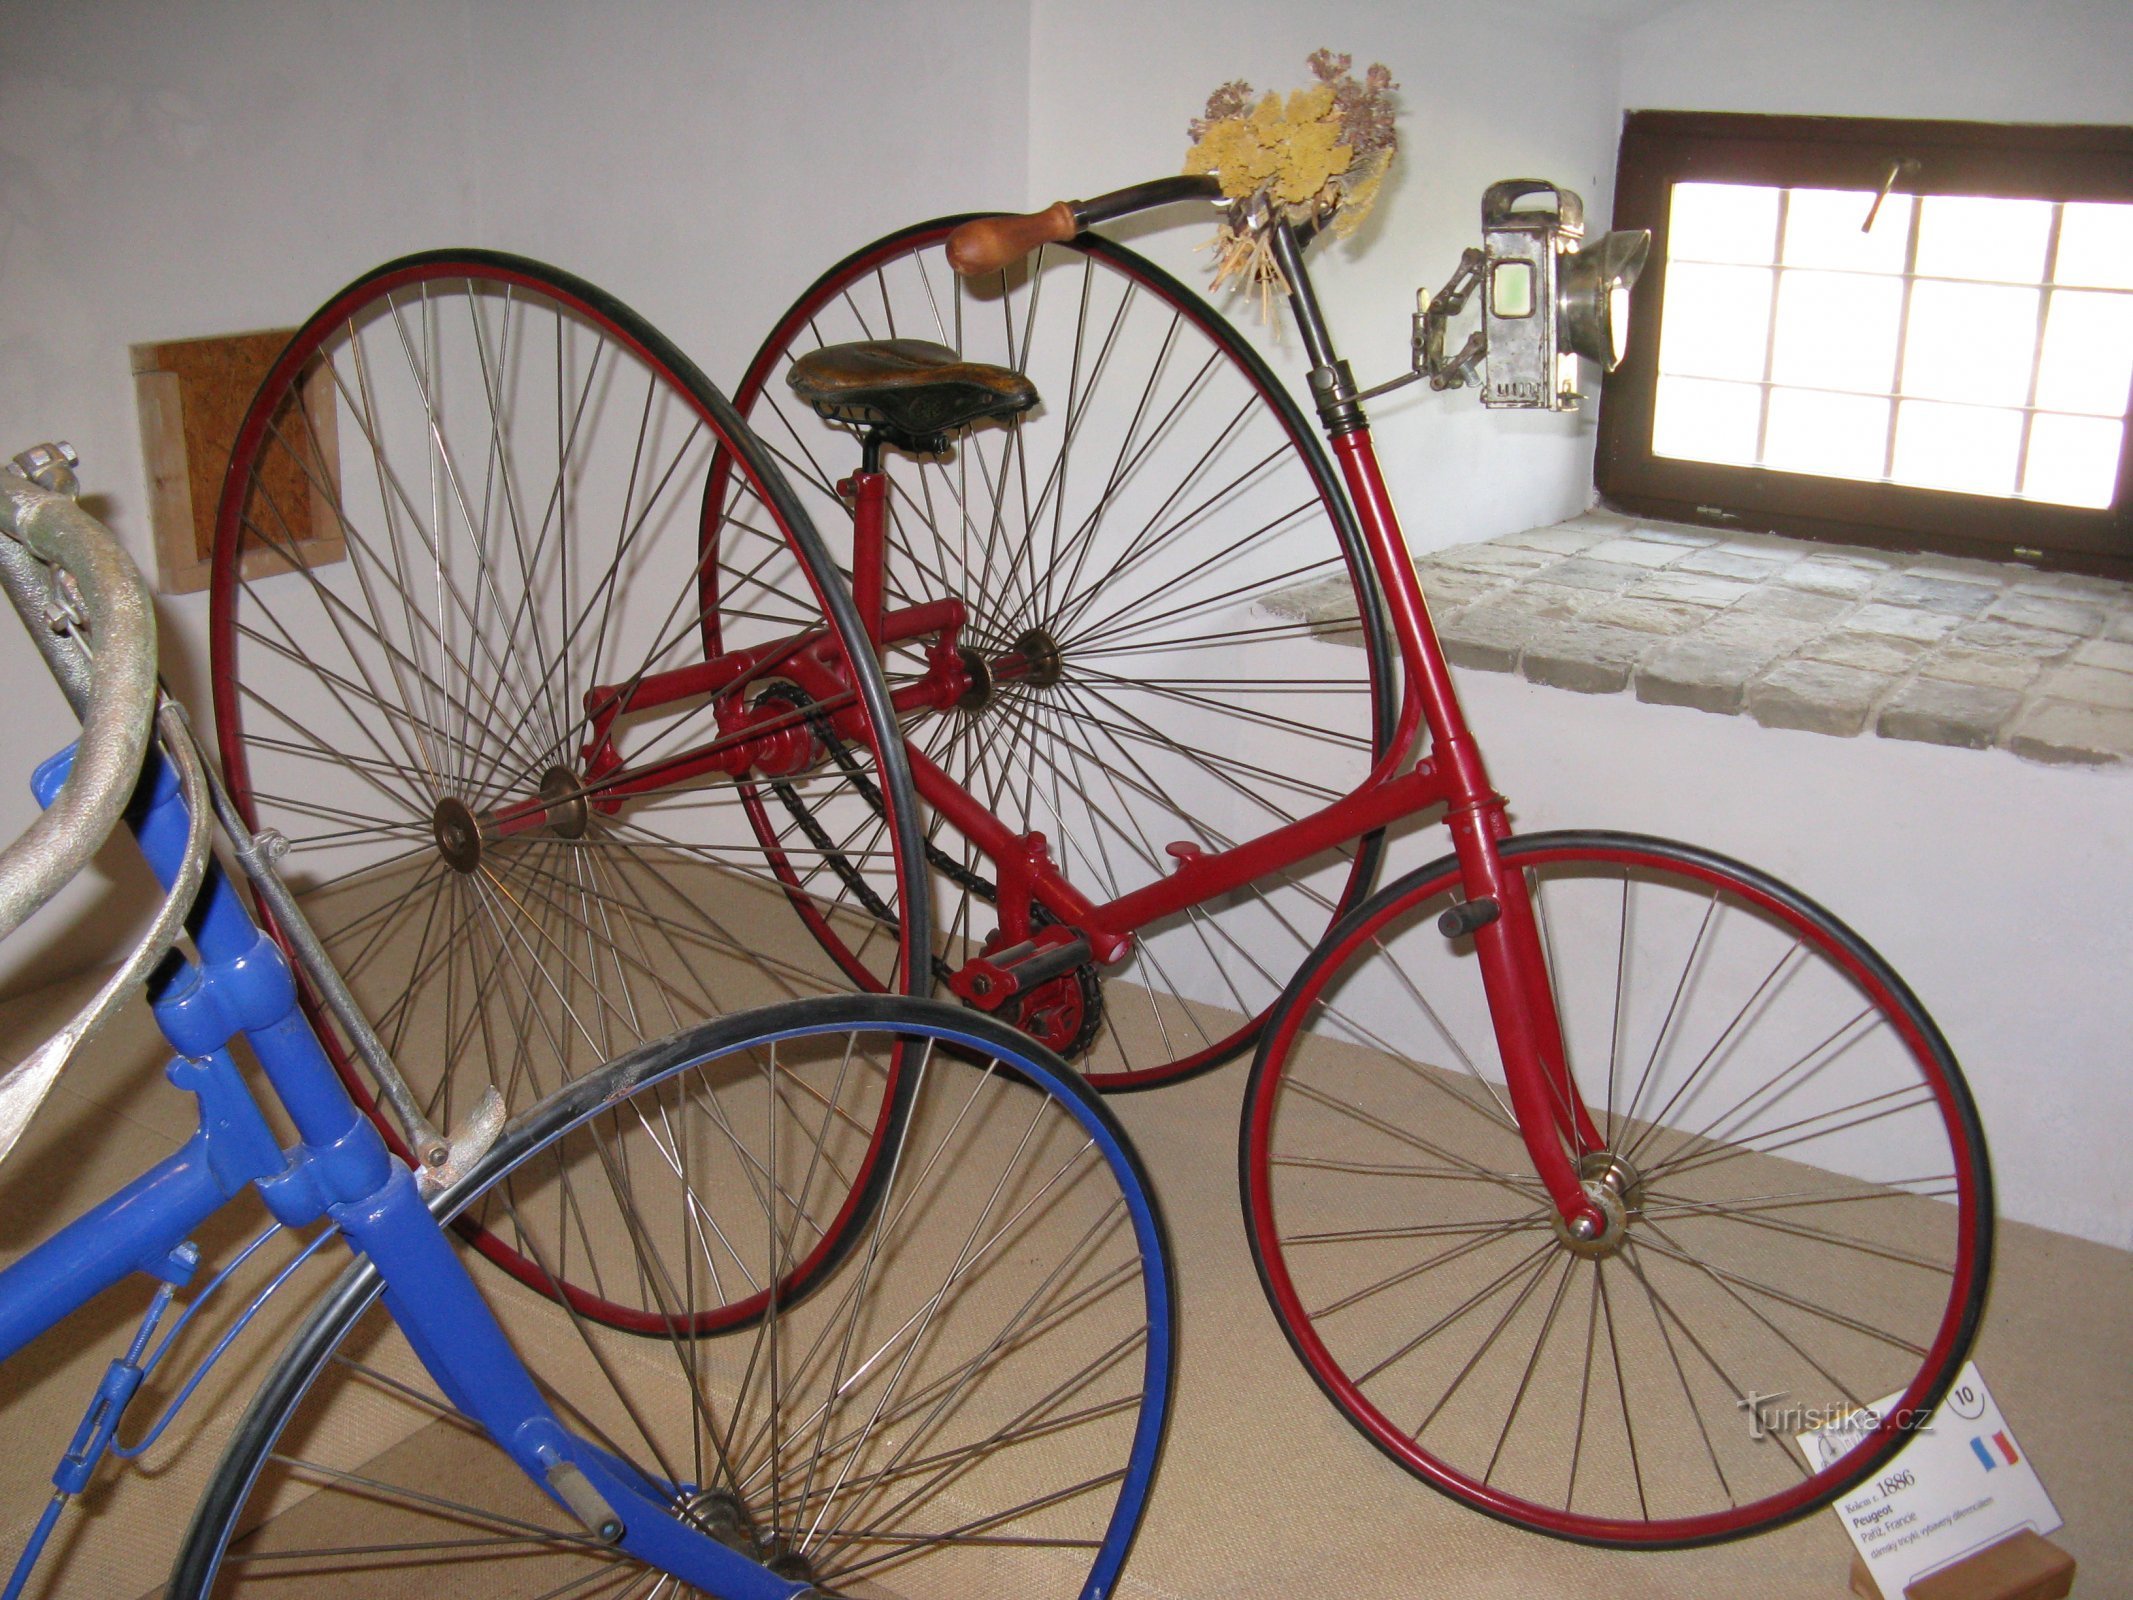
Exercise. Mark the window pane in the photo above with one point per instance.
(1970, 341)
(2096, 246)
(1822, 230)
(2088, 353)
(1703, 421)
(1717, 321)
(2073, 461)
(1837, 330)
(1836, 435)
(1957, 447)
(1722, 222)
(1965, 236)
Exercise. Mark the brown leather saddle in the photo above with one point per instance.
(913, 392)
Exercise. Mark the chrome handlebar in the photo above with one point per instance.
(93, 621)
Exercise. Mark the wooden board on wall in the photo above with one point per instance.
(193, 395)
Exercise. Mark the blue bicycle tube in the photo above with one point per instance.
(1064, 1223)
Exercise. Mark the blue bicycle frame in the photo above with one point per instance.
(340, 1169)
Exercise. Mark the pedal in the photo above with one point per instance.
(989, 981)
(568, 1483)
(1469, 916)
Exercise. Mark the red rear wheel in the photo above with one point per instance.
(470, 494)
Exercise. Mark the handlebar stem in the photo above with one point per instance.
(1332, 380)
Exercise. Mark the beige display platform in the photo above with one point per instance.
(2022, 1566)
(1263, 1491)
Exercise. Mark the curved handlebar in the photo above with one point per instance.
(118, 707)
(990, 243)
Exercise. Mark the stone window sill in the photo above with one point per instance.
(1833, 639)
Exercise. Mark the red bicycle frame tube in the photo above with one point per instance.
(1514, 969)
(772, 742)
(1553, 1120)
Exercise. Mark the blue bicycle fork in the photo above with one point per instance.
(340, 1168)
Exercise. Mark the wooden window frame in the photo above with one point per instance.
(2024, 161)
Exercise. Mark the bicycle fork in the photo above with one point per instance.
(1553, 1121)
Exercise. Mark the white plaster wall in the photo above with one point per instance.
(1970, 60)
(1115, 81)
(170, 170)
(1997, 888)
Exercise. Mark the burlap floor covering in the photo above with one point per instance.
(1264, 1490)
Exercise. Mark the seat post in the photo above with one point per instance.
(868, 491)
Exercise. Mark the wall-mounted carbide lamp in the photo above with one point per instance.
(1545, 301)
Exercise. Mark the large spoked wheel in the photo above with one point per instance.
(1165, 594)
(456, 613)
(971, 1404)
(1798, 1202)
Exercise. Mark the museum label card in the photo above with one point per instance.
(1961, 1484)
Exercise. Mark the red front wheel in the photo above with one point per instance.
(1798, 1205)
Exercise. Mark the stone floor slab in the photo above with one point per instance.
(1828, 577)
(1817, 697)
(1635, 552)
(1986, 669)
(1584, 572)
(1706, 676)
(1585, 656)
(1543, 602)
(2056, 731)
(1562, 540)
(1936, 711)
(1650, 616)
(2094, 686)
(2114, 654)
(1903, 622)
(1509, 560)
(1830, 638)
(2049, 611)
(1485, 639)
(1693, 588)
(1782, 600)
(2015, 638)
(1930, 593)
(1869, 652)
(1719, 562)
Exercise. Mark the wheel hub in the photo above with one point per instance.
(979, 671)
(462, 833)
(1041, 651)
(720, 1515)
(458, 834)
(569, 813)
(1617, 1194)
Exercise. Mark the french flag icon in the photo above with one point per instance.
(1994, 1449)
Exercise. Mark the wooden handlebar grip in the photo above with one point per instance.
(990, 243)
